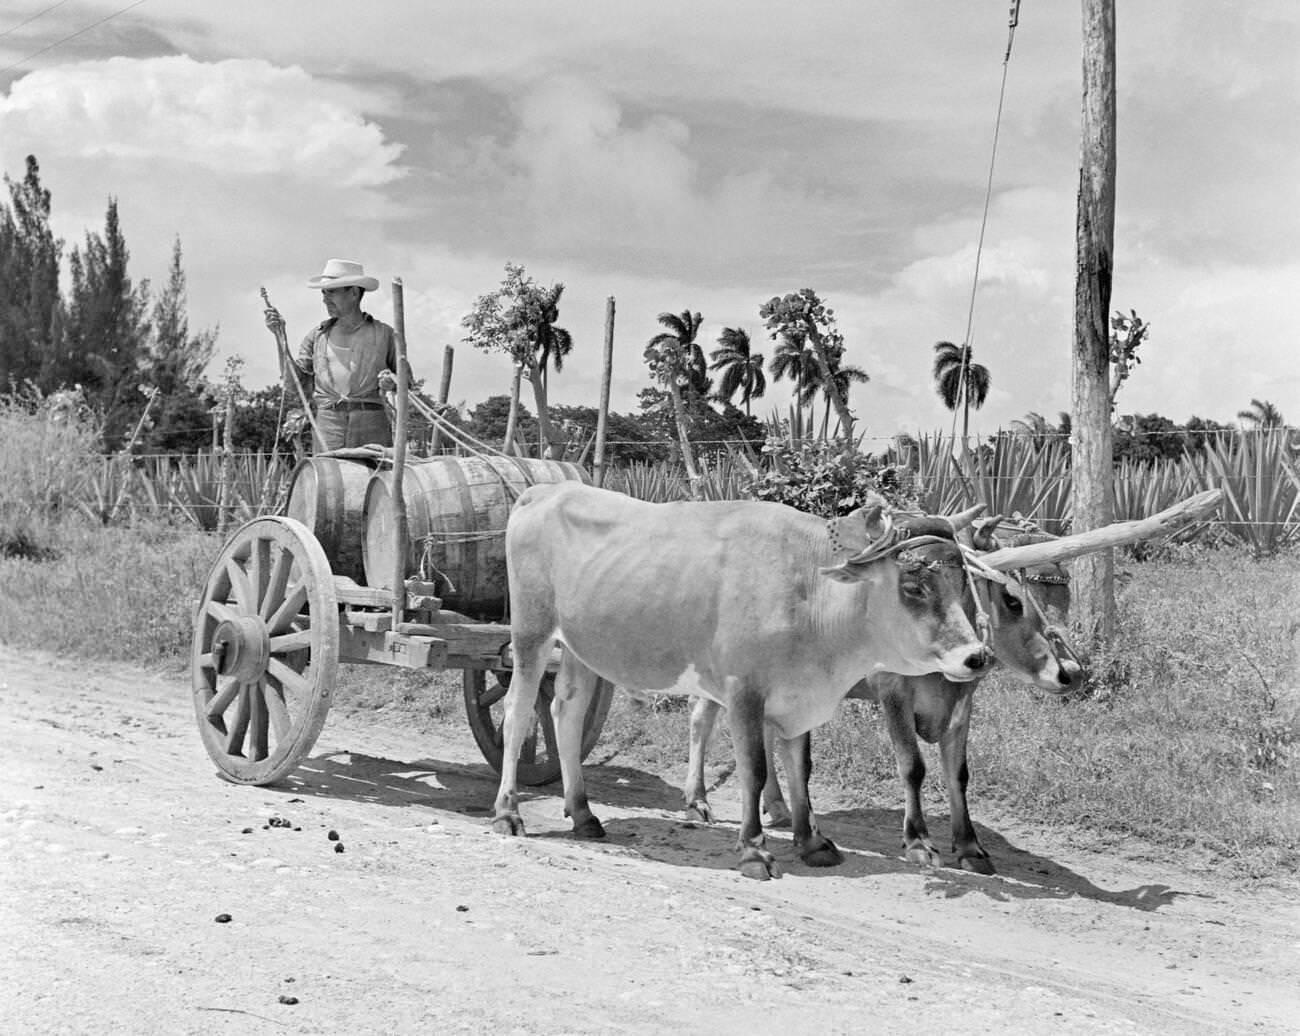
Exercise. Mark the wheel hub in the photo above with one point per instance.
(241, 648)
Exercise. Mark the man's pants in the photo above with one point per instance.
(341, 428)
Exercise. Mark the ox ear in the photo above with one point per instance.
(852, 533)
(984, 533)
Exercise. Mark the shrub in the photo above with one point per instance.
(823, 478)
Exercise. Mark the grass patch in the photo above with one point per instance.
(124, 594)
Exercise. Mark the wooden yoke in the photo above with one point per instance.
(1170, 520)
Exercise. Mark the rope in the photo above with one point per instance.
(1013, 21)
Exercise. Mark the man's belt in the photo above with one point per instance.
(351, 404)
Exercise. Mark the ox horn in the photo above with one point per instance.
(1171, 519)
(962, 519)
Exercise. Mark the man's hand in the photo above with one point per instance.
(274, 321)
(387, 381)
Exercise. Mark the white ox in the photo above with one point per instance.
(1026, 615)
(741, 602)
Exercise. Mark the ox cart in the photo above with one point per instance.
(374, 560)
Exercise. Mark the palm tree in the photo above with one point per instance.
(677, 362)
(793, 359)
(959, 381)
(741, 369)
(1261, 415)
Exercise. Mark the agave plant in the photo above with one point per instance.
(105, 492)
(1260, 479)
(1010, 475)
(656, 482)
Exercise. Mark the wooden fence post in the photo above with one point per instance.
(602, 416)
(444, 393)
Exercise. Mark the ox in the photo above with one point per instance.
(1026, 615)
(742, 602)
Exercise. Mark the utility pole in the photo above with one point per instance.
(1093, 575)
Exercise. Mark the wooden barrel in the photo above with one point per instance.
(328, 495)
(456, 510)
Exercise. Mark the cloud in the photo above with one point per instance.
(241, 117)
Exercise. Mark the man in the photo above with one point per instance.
(346, 362)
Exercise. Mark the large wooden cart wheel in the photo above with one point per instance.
(539, 758)
(266, 650)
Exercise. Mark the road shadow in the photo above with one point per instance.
(1021, 874)
(869, 838)
(468, 788)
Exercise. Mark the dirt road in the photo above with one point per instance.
(119, 850)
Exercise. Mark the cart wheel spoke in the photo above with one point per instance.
(275, 585)
(239, 728)
(283, 643)
(220, 611)
(288, 609)
(290, 679)
(258, 743)
(222, 699)
(241, 587)
(276, 708)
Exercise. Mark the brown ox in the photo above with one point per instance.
(1026, 617)
(742, 602)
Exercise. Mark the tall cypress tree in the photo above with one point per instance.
(29, 278)
(105, 332)
(175, 365)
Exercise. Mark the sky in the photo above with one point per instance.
(691, 154)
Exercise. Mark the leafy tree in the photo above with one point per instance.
(1127, 333)
(29, 273)
(960, 382)
(519, 319)
(1147, 437)
(1199, 432)
(1260, 415)
(490, 419)
(740, 369)
(105, 332)
(676, 362)
(628, 439)
(257, 420)
(801, 318)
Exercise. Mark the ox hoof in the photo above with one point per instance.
(699, 811)
(821, 853)
(976, 864)
(759, 865)
(923, 855)
(508, 824)
(778, 815)
(590, 829)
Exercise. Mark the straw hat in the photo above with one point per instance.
(343, 273)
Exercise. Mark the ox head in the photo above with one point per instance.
(916, 566)
(1028, 611)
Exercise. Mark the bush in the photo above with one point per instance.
(821, 477)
